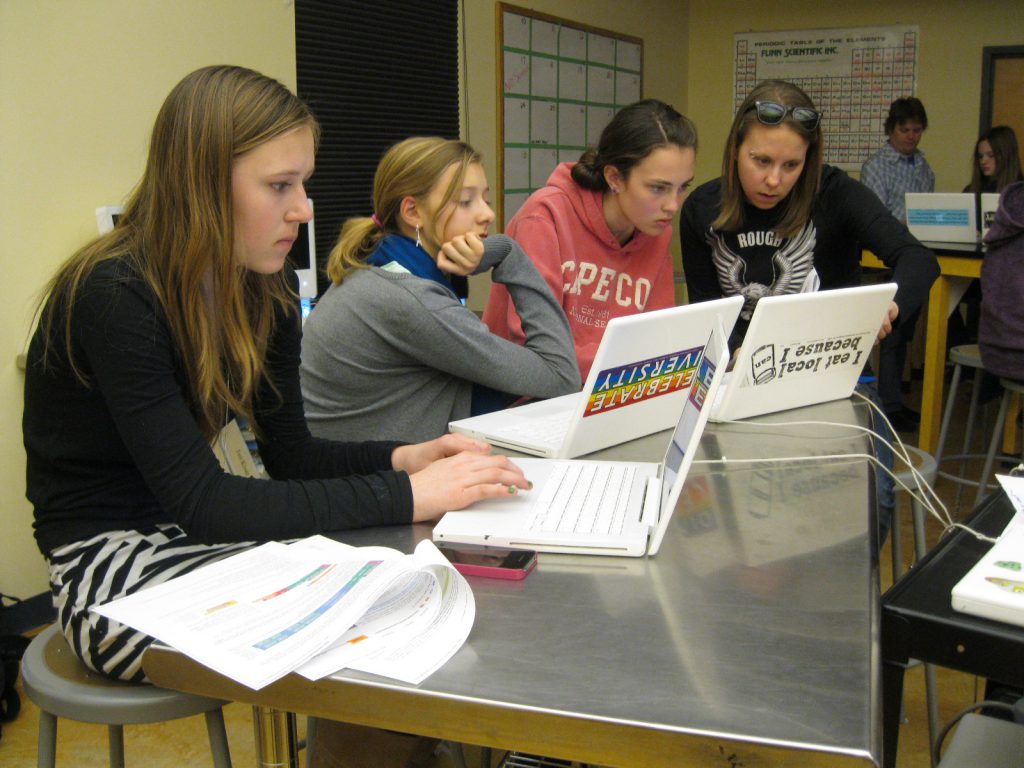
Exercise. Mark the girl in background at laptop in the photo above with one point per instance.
(156, 335)
(390, 351)
(995, 165)
(779, 220)
(599, 232)
(996, 161)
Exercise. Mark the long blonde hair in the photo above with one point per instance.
(177, 232)
(796, 208)
(410, 168)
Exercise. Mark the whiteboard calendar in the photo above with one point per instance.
(560, 82)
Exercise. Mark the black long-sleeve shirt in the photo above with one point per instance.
(126, 451)
(846, 217)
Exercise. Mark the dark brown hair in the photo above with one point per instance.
(633, 133)
(1003, 141)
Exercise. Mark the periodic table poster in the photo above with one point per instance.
(851, 74)
(560, 84)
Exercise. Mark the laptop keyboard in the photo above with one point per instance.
(584, 497)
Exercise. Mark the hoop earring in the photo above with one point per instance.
(418, 236)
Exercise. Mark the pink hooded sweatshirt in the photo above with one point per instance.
(563, 230)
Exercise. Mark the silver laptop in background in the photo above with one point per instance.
(803, 348)
(637, 386)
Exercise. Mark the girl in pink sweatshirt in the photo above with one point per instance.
(599, 232)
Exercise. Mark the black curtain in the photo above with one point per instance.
(374, 73)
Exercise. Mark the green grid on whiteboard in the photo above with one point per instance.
(560, 146)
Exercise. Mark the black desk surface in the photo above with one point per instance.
(918, 620)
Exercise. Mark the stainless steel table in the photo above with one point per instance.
(751, 639)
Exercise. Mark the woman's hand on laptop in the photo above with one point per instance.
(453, 472)
(890, 318)
(413, 458)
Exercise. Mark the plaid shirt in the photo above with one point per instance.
(889, 175)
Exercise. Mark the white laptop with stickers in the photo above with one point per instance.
(598, 507)
(803, 348)
(994, 588)
(637, 385)
(944, 217)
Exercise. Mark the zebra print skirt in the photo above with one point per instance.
(111, 565)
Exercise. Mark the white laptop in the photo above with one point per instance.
(636, 387)
(803, 348)
(598, 507)
(944, 217)
(994, 587)
(989, 203)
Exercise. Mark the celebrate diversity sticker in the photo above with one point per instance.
(636, 382)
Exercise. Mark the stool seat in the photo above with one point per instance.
(57, 682)
(966, 354)
(982, 740)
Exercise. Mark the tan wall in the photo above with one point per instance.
(949, 75)
(80, 85)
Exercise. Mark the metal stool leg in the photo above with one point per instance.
(972, 413)
(931, 692)
(896, 540)
(920, 545)
(993, 447)
(218, 736)
(47, 757)
(115, 733)
(947, 415)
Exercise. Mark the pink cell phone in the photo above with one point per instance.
(490, 562)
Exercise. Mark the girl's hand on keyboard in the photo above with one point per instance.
(458, 481)
(413, 458)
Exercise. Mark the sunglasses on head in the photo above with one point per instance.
(773, 113)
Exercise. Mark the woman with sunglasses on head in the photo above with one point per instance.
(599, 231)
(779, 220)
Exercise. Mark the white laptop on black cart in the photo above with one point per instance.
(803, 348)
(598, 507)
(637, 385)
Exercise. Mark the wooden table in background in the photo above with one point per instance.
(958, 264)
